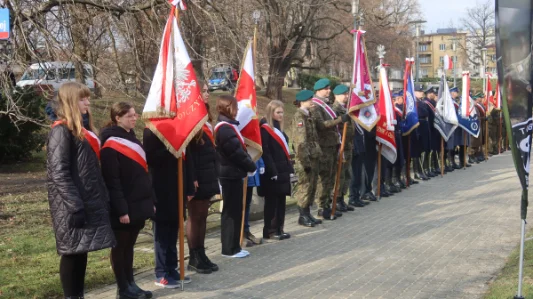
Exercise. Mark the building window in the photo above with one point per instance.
(442, 47)
(423, 48)
(441, 60)
(494, 71)
(423, 72)
(425, 59)
(493, 57)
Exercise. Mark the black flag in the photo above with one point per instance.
(513, 49)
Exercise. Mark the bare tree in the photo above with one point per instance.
(479, 22)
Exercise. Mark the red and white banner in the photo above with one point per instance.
(174, 109)
(387, 121)
(129, 149)
(489, 97)
(362, 106)
(467, 108)
(92, 139)
(247, 101)
(497, 98)
(448, 62)
(180, 3)
(280, 139)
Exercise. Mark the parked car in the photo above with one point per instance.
(223, 77)
(54, 73)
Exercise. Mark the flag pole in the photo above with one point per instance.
(379, 171)
(408, 160)
(486, 135)
(500, 143)
(339, 169)
(464, 152)
(180, 223)
(442, 164)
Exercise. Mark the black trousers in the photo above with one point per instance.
(357, 176)
(231, 218)
(274, 209)
(122, 255)
(166, 252)
(371, 158)
(72, 274)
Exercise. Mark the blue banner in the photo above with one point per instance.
(411, 113)
(4, 23)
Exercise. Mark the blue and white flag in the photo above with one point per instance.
(467, 114)
(445, 116)
(411, 113)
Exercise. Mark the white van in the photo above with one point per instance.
(55, 73)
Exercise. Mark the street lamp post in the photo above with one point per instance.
(484, 67)
(418, 24)
(454, 46)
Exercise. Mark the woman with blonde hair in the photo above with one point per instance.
(77, 194)
(276, 180)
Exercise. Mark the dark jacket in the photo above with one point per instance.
(233, 162)
(163, 167)
(276, 165)
(75, 184)
(358, 140)
(201, 156)
(128, 182)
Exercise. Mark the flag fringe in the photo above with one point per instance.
(411, 130)
(368, 128)
(170, 148)
(256, 146)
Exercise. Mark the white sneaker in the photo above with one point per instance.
(245, 251)
(238, 255)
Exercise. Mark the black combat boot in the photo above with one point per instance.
(425, 167)
(196, 263)
(391, 187)
(213, 266)
(462, 157)
(346, 207)
(436, 166)
(305, 219)
(419, 174)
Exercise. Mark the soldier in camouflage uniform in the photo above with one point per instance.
(339, 107)
(307, 150)
(494, 131)
(326, 122)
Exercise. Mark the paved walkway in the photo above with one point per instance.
(445, 238)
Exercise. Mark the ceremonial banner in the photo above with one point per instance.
(467, 114)
(513, 49)
(489, 97)
(387, 120)
(362, 106)
(411, 113)
(497, 98)
(445, 116)
(448, 63)
(174, 109)
(247, 101)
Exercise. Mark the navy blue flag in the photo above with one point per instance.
(411, 113)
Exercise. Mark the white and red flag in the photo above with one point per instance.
(387, 120)
(497, 98)
(489, 96)
(448, 62)
(247, 101)
(362, 106)
(174, 109)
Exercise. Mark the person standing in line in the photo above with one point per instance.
(126, 176)
(307, 151)
(253, 181)
(276, 180)
(339, 106)
(77, 194)
(201, 158)
(163, 167)
(326, 122)
(233, 164)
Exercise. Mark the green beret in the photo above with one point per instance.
(340, 89)
(479, 95)
(321, 84)
(304, 95)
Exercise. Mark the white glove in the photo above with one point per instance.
(291, 175)
(261, 170)
(274, 178)
(252, 173)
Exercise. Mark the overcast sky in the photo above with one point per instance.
(440, 13)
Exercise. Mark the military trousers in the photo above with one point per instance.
(326, 175)
(356, 180)
(346, 172)
(305, 189)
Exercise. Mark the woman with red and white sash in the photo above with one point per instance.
(276, 180)
(126, 176)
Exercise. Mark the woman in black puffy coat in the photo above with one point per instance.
(276, 180)
(79, 202)
(201, 158)
(233, 165)
(130, 190)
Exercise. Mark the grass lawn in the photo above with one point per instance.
(506, 284)
(29, 264)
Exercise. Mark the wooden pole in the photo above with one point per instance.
(464, 152)
(408, 160)
(181, 224)
(244, 191)
(486, 140)
(379, 171)
(500, 138)
(442, 164)
(339, 169)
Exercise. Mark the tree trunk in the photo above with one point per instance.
(279, 66)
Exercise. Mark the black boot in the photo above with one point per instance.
(425, 167)
(346, 207)
(128, 293)
(472, 160)
(196, 263)
(341, 206)
(315, 220)
(304, 219)
(419, 175)
(391, 187)
(462, 157)
(356, 202)
(454, 163)
(136, 288)
(436, 166)
(205, 258)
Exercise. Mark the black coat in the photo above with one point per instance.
(359, 141)
(128, 182)
(202, 158)
(423, 130)
(276, 164)
(233, 162)
(75, 184)
(163, 167)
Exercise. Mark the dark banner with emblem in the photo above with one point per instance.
(513, 49)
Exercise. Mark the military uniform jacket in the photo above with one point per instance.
(326, 126)
(350, 132)
(305, 138)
